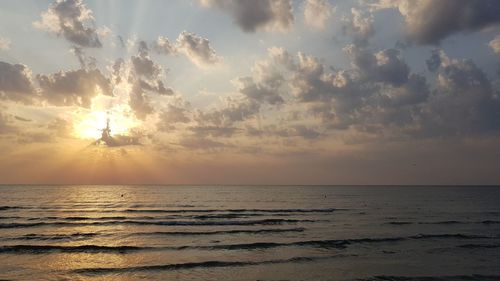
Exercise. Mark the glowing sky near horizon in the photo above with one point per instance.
(250, 92)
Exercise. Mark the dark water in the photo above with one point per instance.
(249, 233)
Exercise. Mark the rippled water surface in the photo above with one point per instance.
(249, 233)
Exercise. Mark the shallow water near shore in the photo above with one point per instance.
(249, 233)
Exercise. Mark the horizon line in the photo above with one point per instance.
(257, 185)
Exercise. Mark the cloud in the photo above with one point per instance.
(360, 26)
(163, 46)
(317, 13)
(214, 131)
(85, 62)
(61, 127)
(196, 48)
(72, 20)
(144, 75)
(34, 137)
(5, 126)
(173, 115)
(22, 119)
(4, 43)
(463, 103)
(258, 92)
(119, 140)
(234, 110)
(383, 66)
(16, 82)
(495, 44)
(301, 131)
(429, 22)
(74, 87)
(139, 102)
(264, 86)
(201, 143)
(253, 15)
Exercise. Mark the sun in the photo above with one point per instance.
(90, 124)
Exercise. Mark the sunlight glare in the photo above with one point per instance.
(91, 124)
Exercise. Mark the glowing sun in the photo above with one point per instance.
(91, 124)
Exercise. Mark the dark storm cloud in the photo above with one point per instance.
(429, 22)
(15, 82)
(253, 15)
(72, 20)
(74, 87)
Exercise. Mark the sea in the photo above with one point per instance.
(249, 233)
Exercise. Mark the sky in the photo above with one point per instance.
(250, 92)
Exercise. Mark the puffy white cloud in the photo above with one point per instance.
(430, 21)
(145, 76)
(74, 87)
(495, 44)
(253, 15)
(163, 46)
(317, 13)
(196, 48)
(72, 20)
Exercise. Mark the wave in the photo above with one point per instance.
(400, 222)
(456, 236)
(324, 244)
(80, 236)
(166, 223)
(71, 236)
(472, 277)
(234, 231)
(200, 217)
(10, 217)
(448, 222)
(479, 246)
(191, 265)
(82, 248)
(5, 208)
(329, 210)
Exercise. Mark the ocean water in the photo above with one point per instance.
(249, 233)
